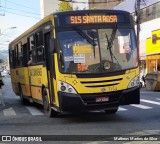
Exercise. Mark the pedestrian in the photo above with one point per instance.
(1, 96)
(144, 82)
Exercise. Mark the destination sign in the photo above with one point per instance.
(93, 19)
(81, 18)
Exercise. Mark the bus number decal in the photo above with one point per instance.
(35, 72)
(112, 88)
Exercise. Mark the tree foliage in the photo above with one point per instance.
(65, 6)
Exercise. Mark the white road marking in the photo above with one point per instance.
(34, 111)
(157, 98)
(141, 106)
(9, 112)
(149, 101)
(149, 92)
(121, 109)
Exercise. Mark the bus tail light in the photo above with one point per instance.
(134, 82)
(65, 87)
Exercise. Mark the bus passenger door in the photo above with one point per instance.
(49, 44)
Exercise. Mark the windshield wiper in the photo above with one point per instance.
(84, 35)
(110, 43)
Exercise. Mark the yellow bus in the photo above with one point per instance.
(77, 61)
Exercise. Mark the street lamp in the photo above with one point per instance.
(1, 33)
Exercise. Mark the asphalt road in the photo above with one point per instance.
(143, 119)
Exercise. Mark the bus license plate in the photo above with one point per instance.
(102, 99)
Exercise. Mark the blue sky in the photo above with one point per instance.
(17, 13)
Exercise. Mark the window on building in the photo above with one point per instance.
(154, 9)
(147, 11)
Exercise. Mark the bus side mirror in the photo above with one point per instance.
(51, 42)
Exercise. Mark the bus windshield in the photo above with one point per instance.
(97, 50)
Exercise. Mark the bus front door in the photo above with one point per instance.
(48, 43)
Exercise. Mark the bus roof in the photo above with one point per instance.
(50, 18)
(44, 20)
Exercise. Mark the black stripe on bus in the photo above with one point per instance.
(102, 85)
(85, 82)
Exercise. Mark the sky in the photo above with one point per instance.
(17, 13)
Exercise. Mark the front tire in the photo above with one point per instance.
(47, 106)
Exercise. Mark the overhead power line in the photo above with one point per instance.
(24, 6)
(21, 14)
(20, 10)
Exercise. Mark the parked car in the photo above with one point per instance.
(4, 73)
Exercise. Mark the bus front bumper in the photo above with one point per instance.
(87, 102)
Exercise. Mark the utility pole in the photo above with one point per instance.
(138, 21)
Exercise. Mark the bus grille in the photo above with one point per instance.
(101, 83)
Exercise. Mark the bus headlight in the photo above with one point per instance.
(65, 87)
(134, 82)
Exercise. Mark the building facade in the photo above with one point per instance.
(150, 17)
(80, 5)
(103, 4)
(50, 6)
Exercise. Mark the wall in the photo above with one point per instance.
(146, 29)
(103, 4)
(48, 6)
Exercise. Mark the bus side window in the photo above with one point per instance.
(24, 50)
(11, 58)
(31, 51)
(31, 42)
(16, 55)
(20, 54)
(39, 46)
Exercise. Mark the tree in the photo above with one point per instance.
(65, 6)
(93, 8)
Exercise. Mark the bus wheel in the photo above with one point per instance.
(111, 111)
(46, 106)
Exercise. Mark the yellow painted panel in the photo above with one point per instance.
(26, 90)
(153, 57)
(153, 43)
(81, 88)
(156, 38)
(38, 75)
(36, 92)
(15, 87)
